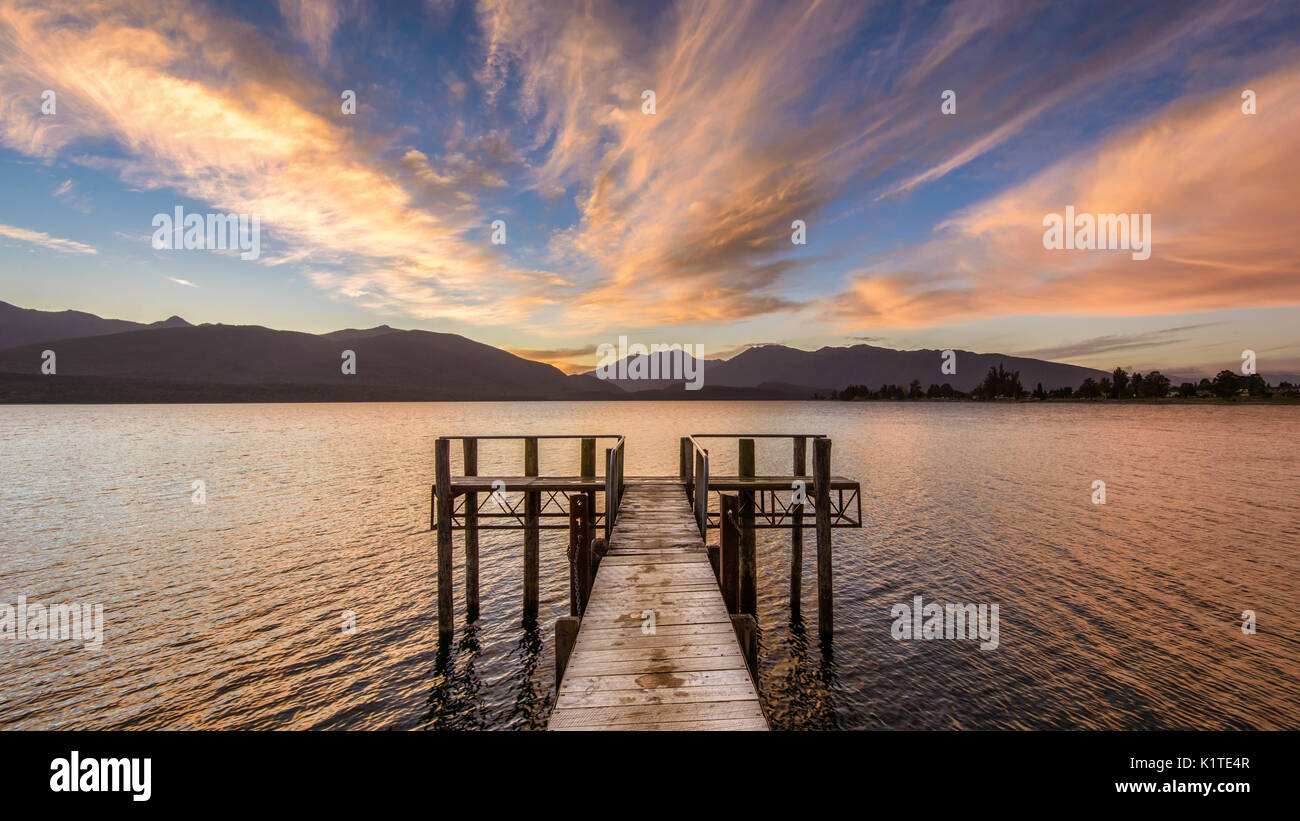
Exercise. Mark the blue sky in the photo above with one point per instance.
(923, 229)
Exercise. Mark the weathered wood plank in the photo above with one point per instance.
(661, 695)
(655, 681)
(623, 717)
(714, 724)
(687, 671)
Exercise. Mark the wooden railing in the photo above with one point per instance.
(444, 517)
(614, 484)
(694, 473)
(737, 552)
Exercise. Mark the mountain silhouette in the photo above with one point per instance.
(22, 326)
(833, 368)
(116, 360)
(389, 363)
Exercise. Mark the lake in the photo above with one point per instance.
(229, 614)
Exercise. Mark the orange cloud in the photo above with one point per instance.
(205, 107)
(1219, 185)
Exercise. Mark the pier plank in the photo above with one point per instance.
(690, 673)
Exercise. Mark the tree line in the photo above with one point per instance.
(1000, 383)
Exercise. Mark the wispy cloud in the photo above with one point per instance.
(206, 107)
(45, 240)
(65, 192)
(1116, 342)
(685, 214)
(1217, 183)
(184, 282)
(314, 22)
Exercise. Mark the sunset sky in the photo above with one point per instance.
(923, 229)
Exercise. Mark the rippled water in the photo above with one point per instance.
(229, 614)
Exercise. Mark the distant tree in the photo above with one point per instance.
(1226, 384)
(933, 392)
(914, 390)
(1039, 393)
(1089, 389)
(1105, 386)
(1155, 385)
(946, 391)
(1256, 385)
(1119, 383)
(1187, 389)
(1205, 386)
(1001, 382)
(1135, 385)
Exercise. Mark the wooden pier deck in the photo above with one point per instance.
(689, 673)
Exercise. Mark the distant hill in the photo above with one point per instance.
(117, 360)
(22, 326)
(780, 370)
(835, 368)
(414, 364)
(663, 363)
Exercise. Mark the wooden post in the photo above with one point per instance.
(796, 530)
(609, 492)
(729, 550)
(599, 547)
(620, 485)
(588, 471)
(746, 627)
(684, 460)
(442, 492)
(471, 533)
(748, 553)
(532, 509)
(579, 554)
(688, 475)
(825, 592)
(701, 491)
(566, 635)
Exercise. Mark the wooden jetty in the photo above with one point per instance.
(662, 631)
(656, 648)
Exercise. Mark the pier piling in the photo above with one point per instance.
(588, 471)
(532, 510)
(748, 554)
(746, 627)
(442, 497)
(566, 635)
(579, 554)
(799, 468)
(470, 447)
(825, 592)
(729, 550)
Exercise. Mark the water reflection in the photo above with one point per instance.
(1120, 616)
(456, 693)
(531, 705)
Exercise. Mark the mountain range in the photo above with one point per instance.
(786, 369)
(112, 360)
